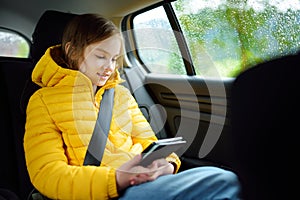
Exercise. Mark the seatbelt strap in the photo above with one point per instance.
(97, 143)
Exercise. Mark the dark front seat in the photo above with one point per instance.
(13, 173)
(265, 127)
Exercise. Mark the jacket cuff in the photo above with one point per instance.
(112, 184)
(175, 161)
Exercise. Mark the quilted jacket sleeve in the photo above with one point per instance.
(48, 166)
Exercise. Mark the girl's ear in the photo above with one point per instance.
(67, 47)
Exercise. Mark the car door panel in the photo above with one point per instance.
(197, 109)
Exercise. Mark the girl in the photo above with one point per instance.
(62, 114)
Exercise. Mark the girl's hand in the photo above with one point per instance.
(160, 167)
(130, 173)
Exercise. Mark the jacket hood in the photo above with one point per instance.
(49, 72)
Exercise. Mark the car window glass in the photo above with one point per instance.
(156, 44)
(13, 44)
(227, 37)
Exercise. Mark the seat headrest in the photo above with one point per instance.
(48, 32)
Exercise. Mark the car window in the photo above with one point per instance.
(227, 37)
(13, 44)
(156, 43)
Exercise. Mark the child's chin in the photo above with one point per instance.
(101, 83)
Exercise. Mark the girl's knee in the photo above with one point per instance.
(229, 177)
(221, 176)
(217, 175)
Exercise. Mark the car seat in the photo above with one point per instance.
(265, 127)
(16, 88)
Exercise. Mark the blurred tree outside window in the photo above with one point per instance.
(226, 37)
(234, 35)
(13, 44)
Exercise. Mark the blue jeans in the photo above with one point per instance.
(201, 183)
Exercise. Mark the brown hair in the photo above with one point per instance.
(82, 31)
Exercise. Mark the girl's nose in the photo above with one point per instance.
(110, 65)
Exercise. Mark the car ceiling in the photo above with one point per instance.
(22, 15)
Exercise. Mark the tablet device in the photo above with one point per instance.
(161, 149)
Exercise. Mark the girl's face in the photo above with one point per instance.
(99, 60)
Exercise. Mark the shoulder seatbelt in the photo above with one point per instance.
(98, 141)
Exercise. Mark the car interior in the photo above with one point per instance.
(247, 124)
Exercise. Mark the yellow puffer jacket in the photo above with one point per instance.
(60, 122)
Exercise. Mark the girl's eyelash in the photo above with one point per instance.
(103, 57)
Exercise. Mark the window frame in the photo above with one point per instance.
(131, 50)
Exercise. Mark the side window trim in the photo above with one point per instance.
(182, 44)
(131, 50)
(127, 30)
(127, 24)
